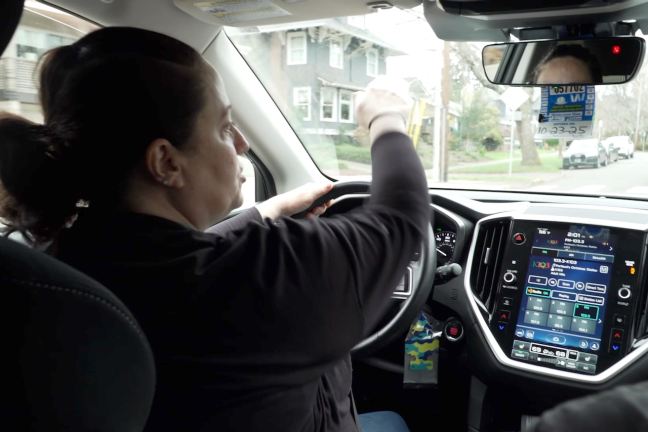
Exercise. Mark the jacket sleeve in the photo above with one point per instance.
(237, 222)
(312, 289)
(620, 409)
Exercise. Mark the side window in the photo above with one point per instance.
(249, 187)
(297, 48)
(41, 28)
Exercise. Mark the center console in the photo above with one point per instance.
(565, 295)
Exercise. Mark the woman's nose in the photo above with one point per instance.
(240, 143)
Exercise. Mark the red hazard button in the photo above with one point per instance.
(519, 238)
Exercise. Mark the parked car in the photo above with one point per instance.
(613, 150)
(624, 144)
(585, 152)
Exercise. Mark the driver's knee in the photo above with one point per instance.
(382, 421)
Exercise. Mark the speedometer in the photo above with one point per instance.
(445, 245)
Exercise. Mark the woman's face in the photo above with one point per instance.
(213, 175)
(565, 70)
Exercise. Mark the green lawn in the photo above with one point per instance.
(516, 154)
(502, 155)
(549, 164)
(490, 178)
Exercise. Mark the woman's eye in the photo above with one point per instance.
(230, 128)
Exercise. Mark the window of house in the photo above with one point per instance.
(297, 48)
(336, 57)
(302, 102)
(328, 103)
(346, 106)
(372, 62)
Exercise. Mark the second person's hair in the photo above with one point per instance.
(104, 99)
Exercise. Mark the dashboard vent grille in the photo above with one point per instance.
(487, 261)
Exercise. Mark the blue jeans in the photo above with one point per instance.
(382, 421)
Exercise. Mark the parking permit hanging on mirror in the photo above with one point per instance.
(422, 353)
(566, 111)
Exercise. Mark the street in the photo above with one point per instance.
(627, 176)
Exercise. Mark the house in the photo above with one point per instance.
(313, 68)
(41, 28)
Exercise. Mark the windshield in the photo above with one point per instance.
(583, 145)
(461, 127)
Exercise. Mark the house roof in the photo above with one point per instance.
(342, 27)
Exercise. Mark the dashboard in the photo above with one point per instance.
(552, 299)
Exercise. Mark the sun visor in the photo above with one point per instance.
(250, 13)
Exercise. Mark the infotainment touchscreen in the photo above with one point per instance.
(567, 286)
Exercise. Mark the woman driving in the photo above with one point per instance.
(251, 321)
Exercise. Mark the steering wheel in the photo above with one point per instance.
(421, 274)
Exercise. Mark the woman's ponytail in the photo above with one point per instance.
(105, 98)
(35, 197)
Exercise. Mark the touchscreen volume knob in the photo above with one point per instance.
(509, 278)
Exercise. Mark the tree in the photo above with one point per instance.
(471, 60)
(479, 120)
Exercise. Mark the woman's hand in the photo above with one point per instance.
(384, 106)
(295, 201)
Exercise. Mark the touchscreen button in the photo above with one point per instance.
(535, 318)
(561, 308)
(538, 304)
(583, 326)
(559, 322)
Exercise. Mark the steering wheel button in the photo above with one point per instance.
(416, 256)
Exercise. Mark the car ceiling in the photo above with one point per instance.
(166, 16)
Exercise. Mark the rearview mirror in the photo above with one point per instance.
(613, 60)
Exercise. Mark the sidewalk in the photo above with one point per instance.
(500, 182)
(495, 162)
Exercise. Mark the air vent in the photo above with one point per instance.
(487, 261)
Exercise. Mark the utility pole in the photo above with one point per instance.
(445, 96)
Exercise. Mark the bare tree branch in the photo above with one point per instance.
(469, 58)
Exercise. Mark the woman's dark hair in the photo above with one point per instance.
(104, 99)
(576, 51)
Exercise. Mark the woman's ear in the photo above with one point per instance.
(163, 162)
